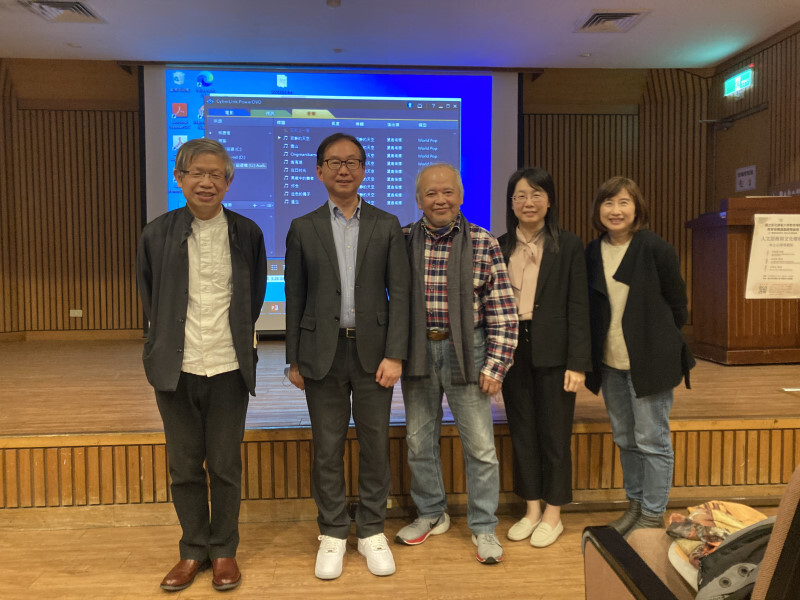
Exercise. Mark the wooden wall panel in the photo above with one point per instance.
(581, 151)
(71, 206)
(713, 458)
(776, 85)
(673, 157)
(663, 148)
(9, 315)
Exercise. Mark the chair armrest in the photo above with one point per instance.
(613, 569)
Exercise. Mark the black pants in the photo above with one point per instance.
(204, 423)
(329, 408)
(539, 414)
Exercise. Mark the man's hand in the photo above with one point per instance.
(489, 385)
(573, 380)
(389, 372)
(295, 377)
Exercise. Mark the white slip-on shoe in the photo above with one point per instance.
(522, 529)
(375, 549)
(329, 557)
(545, 534)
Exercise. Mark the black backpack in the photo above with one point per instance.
(730, 571)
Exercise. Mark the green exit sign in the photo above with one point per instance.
(739, 82)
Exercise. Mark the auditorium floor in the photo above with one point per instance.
(52, 387)
(277, 561)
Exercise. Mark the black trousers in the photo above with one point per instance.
(329, 408)
(204, 423)
(540, 415)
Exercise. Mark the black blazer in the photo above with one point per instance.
(162, 273)
(560, 322)
(313, 291)
(654, 314)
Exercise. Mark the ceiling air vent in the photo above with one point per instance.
(610, 21)
(62, 12)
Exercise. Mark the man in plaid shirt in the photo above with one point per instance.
(462, 341)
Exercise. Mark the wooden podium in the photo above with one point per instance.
(727, 328)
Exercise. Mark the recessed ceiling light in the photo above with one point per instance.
(74, 45)
(337, 50)
(333, 3)
(585, 54)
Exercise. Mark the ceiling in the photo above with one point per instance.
(513, 34)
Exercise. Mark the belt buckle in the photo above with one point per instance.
(437, 334)
(350, 332)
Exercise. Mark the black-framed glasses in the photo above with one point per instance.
(213, 175)
(535, 197)
(334, 164)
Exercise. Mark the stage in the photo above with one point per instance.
(80, 428)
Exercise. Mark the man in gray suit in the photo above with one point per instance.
(347, 285)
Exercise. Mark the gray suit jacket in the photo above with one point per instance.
(313, 291)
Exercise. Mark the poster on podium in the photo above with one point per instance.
(774, 269)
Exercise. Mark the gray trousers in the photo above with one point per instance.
(204, 423)
(329, 408)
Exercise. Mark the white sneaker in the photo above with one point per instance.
(379, 557)
(329, 557)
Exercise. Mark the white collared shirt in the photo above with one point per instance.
(208, 347)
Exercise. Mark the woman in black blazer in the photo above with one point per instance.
(548, 274)
(638, 306)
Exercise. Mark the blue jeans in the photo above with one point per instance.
(472, 412)
(641, 430)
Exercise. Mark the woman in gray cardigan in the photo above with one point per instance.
(638, 305)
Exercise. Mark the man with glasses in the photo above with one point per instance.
(202, 274)
(461, 344)
(347, 280)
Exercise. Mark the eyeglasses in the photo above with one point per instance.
(536, 198)
(334, 164)
(198, 175)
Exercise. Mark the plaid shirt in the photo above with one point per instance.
(492, 300)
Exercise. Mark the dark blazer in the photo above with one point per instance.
(560, 322)
(162, 272)
(313, 291)
(654, 314)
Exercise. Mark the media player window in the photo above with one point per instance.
(273, 142)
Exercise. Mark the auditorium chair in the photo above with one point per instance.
(619, 569)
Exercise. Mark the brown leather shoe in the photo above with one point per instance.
(226, 574)
(182, 574)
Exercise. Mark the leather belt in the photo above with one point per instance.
(347, 332)
(437, 335)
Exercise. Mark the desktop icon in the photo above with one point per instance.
(178, 141)
(178, 77)
(180, 110)
(205, 79)
(282, 80)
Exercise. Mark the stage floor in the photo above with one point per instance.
(67, 387)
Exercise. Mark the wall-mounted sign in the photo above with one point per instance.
(739, 82)
(746, 178)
